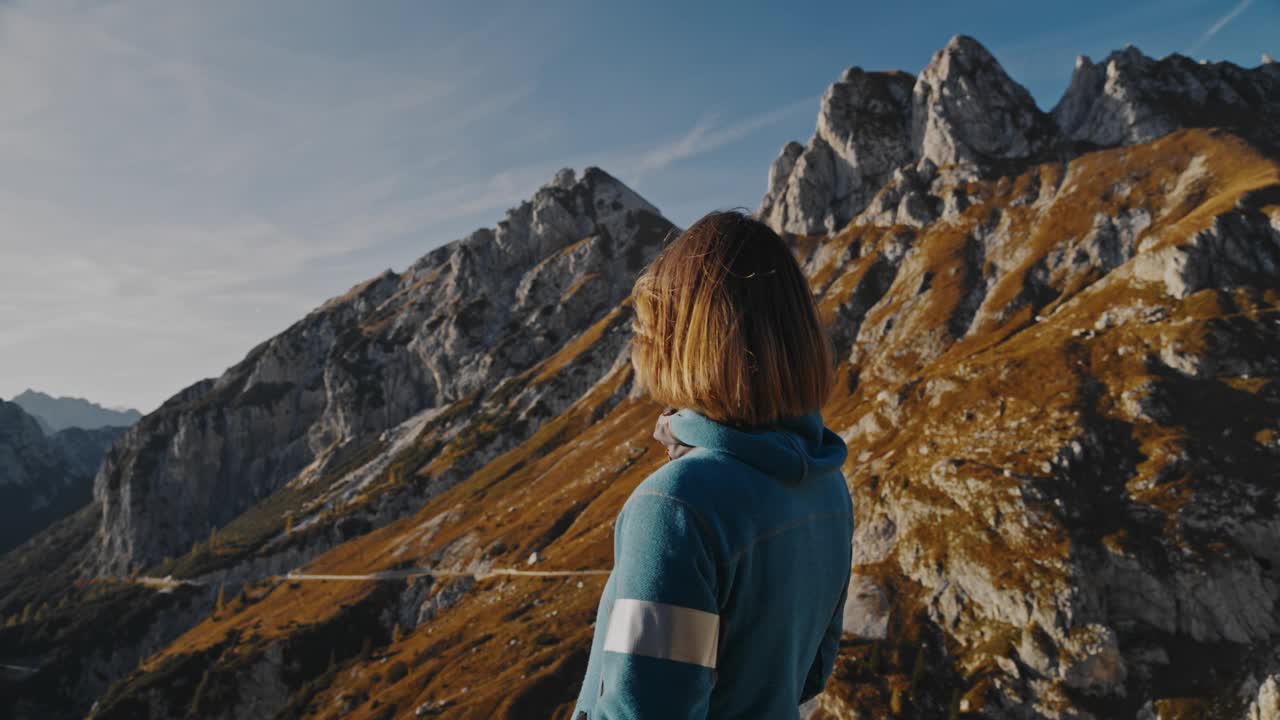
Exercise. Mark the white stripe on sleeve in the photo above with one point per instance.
(671, 632)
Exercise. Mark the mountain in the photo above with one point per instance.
(370, 374)
(60, 413)
(357, 414)
(43, 478)
(1057, 359)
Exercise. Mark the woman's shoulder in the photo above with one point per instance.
(700, 480)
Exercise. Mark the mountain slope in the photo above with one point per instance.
(1025, 489)
(61, 413)
(384, 358)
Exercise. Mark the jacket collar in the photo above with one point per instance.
(797, 447)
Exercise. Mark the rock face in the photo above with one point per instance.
(965, 109)
(964, 114)
(59, 413)
(454, 324)
(861, 138)
(43, 478)
(1265, 705)
(962, 108)
(1037, 378)
(1130, 98)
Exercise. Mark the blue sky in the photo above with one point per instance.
(182, 180)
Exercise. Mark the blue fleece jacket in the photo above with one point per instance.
(731, 565)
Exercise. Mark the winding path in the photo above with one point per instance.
(168, 584)
(408, 573)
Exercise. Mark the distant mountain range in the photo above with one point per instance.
(59, 413)
(44, 477)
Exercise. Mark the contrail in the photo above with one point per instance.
(1221, 23)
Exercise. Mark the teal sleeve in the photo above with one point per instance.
(825, 660)
(660, 646)
(591, 678)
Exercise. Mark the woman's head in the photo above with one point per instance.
(725, 324)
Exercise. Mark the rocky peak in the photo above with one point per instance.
(1130, 98)
(966, 109)
(564, 179)
(963, 108)
(967, 117)
(452, 326)
(564, 210)
(861, 137)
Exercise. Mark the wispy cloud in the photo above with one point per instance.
(709, 134)
(180, 183)
(1217, 26)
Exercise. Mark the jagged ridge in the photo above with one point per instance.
(457, 322)
(963, 113)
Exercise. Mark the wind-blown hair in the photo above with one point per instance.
(726, 324)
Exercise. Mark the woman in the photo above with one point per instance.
(731, 561)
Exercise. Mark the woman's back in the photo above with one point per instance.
(731, 564)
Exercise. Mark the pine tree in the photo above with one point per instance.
(26, 614)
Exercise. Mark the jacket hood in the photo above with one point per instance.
(800, 446)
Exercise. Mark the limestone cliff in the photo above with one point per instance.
(1130, 98)
(455, 324)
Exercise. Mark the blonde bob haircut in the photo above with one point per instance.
(725, 324)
